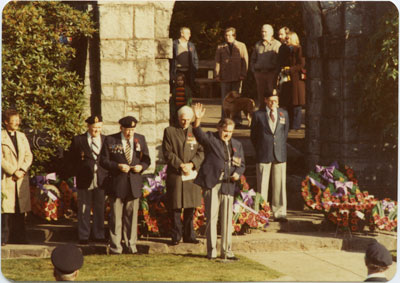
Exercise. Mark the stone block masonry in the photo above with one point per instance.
(133, 71)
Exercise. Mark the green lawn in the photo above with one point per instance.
(148, 267)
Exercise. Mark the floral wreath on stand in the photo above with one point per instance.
(338, 195)
(250, 210)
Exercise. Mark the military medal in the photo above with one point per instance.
(191, 140)
(82, 155)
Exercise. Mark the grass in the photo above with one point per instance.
(145, 267)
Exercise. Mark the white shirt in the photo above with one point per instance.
(379, 274)
(272, 124)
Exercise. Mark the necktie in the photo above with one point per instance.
(95, 149)
(128, 152)
(271, 115)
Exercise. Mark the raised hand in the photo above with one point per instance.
(199, 111)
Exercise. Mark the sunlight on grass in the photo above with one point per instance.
(149, 267)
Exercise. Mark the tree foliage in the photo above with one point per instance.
(377, 79)
(35, 75)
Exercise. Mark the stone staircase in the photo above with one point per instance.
(305, 231)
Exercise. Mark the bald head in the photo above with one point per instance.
(267, 32)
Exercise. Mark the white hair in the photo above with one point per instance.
(59, 276)
(268, 27)
(185, 110)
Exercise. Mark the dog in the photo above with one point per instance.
(233, 104)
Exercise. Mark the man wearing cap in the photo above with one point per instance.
(268, 134)
(67, 260)
(377, 259)
(83, 159)
(184, 156)
(126, 156)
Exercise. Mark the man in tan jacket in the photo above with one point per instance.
(231, 63)
(15, 196)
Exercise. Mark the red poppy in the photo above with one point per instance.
(234, 149)
(237, 228)
(353, 228)
(281, 114)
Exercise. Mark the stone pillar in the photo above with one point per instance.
(336, 34)
(134, 68)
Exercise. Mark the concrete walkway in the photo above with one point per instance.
(317, 265)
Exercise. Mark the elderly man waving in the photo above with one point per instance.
(223, 165)
(184, 156)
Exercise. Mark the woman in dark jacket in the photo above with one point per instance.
(297, 65)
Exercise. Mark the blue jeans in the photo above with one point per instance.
(225, 88)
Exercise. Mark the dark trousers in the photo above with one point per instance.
(188, 230)
(13, 225)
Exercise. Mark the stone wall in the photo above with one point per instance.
(336, 33)
(133, 77)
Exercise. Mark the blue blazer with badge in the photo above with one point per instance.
(81, 162)
(113, 154)
(215, 164)
(269, 146)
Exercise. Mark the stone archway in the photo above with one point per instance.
(133, 77)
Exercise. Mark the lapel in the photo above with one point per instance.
(226, 48)
(187, 146)
(6, 140)
(278, 122)
(85, 144)
(265, 121)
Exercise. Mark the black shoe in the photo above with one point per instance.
(3, 244)
(83, 242)
(100, 240)
(211, 257)
(232, 258)
(174, 243)
(191, 241)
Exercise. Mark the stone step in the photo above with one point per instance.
(254, 242)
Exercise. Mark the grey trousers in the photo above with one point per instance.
(123, 223)
(278, 172)
(214, 202)
(88, 199)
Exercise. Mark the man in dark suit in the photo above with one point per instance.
(269, 132)
(126, 156)
(222, 167)
(184, 59)
(377, 259)
(184, 156)
(84, 161)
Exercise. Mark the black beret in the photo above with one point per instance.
(94, 119)
(67, 258)
(268, 94)
(128, 122)
(378, 254)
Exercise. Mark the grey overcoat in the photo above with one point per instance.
(179, 148)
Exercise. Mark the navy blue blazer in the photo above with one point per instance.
(193, 61)
(269, 146)
(214, 163)
(80, 162)
(121, 184)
